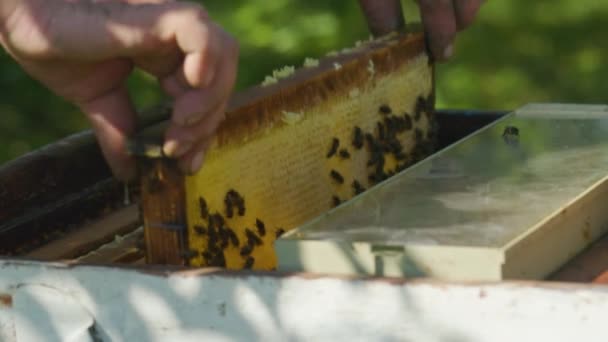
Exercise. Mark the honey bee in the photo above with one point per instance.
(344, 154)
(357, 138)
(385, 109)
(389, 126)
(336, 201)
(246, 250)
(249, 263)
(228, 203)
(371, 142)
(357, 187)
(336, 176)
(260, 226)
(204, 210)
(251, 237)
(380, 127)
(232, 237)
(335, 143)
(407, 122)
(207, 256)
(419, 108)
(395, 146)
(200, 230)
(400, 156)
(418, 135)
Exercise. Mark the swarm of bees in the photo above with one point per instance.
(221, 236)
(384, 141)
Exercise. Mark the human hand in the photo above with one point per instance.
(84, 50)
(442, 19)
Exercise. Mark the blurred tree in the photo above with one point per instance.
(516, 52)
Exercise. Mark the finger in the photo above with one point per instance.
(129, 30)
(193, 160)
(200, 63)
(466, 10)
(440, 25)
(113, 119)
(191, 107)
(179, 140)
(173, 86)
(383, 16)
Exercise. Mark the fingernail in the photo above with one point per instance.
(448, 52)
(197, 161)
(172, 148)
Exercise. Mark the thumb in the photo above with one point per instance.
(113, 119)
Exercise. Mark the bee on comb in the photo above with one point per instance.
(204, 210)
(336, 176)
(357, 138)
(249, 263)
(260, 227)
(385, 109)
(335, 143)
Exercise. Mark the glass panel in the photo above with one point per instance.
(484, 190)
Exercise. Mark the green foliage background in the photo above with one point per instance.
(518, 51)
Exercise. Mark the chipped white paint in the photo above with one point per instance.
(128, 305)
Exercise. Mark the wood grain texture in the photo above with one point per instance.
(163, 210)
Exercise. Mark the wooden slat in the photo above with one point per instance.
(89, 237)
(126, 249)
(164, 211)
